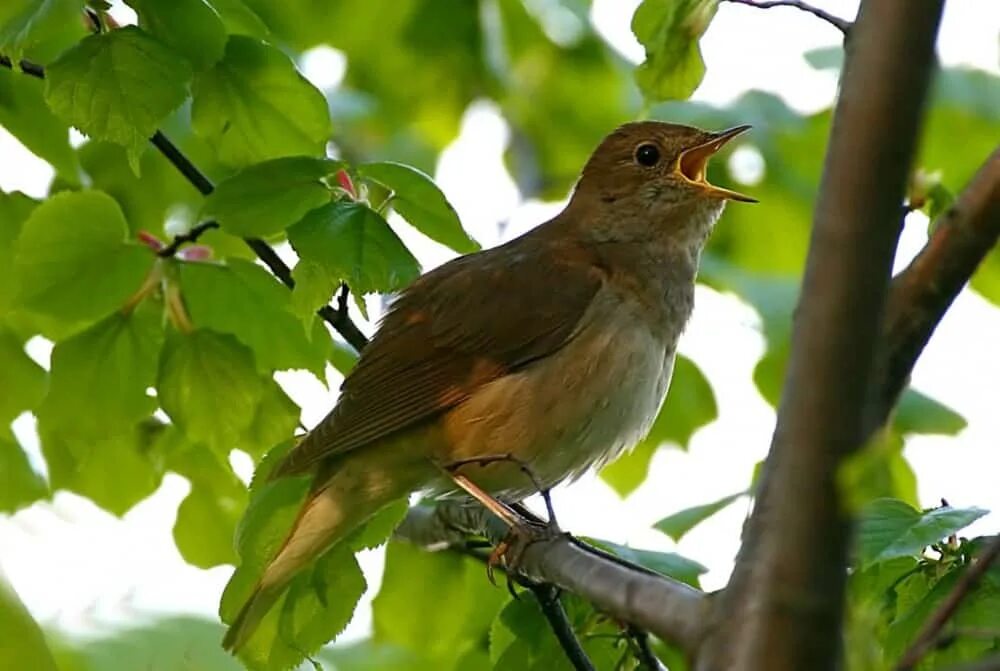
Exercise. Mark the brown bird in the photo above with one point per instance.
(555, 348)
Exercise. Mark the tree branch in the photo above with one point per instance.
(840, 24)
(782, 608)
(670, 609)
(340, 320)
(923, 292)
(928, 636)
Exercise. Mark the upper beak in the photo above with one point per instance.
(692, 162)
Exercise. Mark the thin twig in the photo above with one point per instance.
(552, 609)
(643, 652)
(185, 238)
(928, 636)
(338, 319)
(27, 67)
(840, 24)
(184, 165)
(548, 600)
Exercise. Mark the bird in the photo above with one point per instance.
(545, 356)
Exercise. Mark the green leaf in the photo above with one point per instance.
(268, 197)
(39, 28)
(82, 466)
(276, 418)
(148, 199)
(24, 381)
(669, 30)
(974, 622)
(401, 616)
(379, 526)
(666, 563)
(189, 27)
(15, 208)
(243, 299)
(253, 106)
(354, 244)
(889, 528)
(209, 386)
(99, 376)
(208, 515)
(240, 19)
(20, 485)
(25, 115)
(879, 470)
(521, 638)
(417, 199)
(117, 86)
(690, 405)
(23, 644)
(917, 413)
(75, 274)
(678, 524)
(319, 602)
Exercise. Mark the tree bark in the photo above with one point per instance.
(783, 606)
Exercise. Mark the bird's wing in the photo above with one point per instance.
(455, 329)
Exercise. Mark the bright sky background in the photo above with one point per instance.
(82, 570)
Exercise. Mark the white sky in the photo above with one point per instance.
(82, 570)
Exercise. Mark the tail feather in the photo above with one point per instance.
(345, 495)
(248, 619)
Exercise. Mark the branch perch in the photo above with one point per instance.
(670, 609)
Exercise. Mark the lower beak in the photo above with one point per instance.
(692, 163)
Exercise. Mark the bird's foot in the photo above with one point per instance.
(524, 532)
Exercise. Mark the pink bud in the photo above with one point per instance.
(345, 182)
(196, 253)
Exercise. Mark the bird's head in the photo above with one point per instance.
(655, 171)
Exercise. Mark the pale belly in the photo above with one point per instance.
(578, 408)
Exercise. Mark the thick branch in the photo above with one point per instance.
(840, 24)
(928, 636)
(672, 610)
(782, 609)
(338, 319)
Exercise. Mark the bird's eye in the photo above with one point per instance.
(647, 154)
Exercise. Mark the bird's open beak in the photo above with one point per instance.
(692, 162)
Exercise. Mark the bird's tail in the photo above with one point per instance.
(343, 497)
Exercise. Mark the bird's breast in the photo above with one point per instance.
(579, 407)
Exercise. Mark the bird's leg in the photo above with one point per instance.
(530, 474)
(525, 527)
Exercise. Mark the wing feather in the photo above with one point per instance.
(455, 329)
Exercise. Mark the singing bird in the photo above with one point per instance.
(555, 348)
